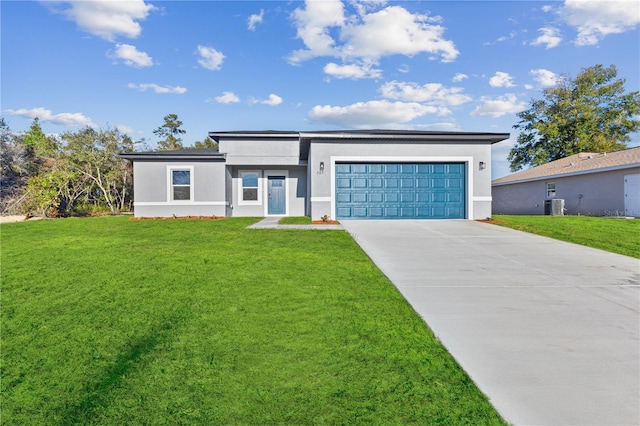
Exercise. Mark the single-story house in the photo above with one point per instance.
(354, 174)
(594, 184)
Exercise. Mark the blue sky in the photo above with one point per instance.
(295, 65)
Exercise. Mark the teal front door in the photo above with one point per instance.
(276, 194)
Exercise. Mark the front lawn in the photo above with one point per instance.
(116, 321)
(616, 235)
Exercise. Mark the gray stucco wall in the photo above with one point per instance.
(151, 189)
(602, 194)
(296, 183)
(263, 152)
(478, 181)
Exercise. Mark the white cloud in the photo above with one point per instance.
(511, 35)
(497, 107)
(430, 93)
(126, 129)
(549, 37)
(352, 71)
(107, 19)
(459, 77)
(272, 101)
(598, 18)
(131, 56)
(370, 114)
(71, 119)
(393, 31)
(255, 20)
(210, 58)
(545, 78)
(313, 25)
(157, 88)
(227, 98)
(365, 37)
(501, 79)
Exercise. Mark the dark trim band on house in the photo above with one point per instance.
(202, 154)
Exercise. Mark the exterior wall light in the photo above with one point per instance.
(321, 166)
(482, 165)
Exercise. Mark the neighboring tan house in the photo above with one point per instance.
(351, 174)
(594, 184)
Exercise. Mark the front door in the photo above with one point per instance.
(276, 195)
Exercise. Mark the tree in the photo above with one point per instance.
(591, 113)
(206, 143)
(170, 131)
(91, 156)
(38, 142)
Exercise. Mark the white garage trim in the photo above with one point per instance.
(414, 159)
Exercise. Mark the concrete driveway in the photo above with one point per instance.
(549, 331)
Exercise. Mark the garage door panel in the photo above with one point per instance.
(343, 168)
(400, 190)
(359, 197)
(407, 183)
(343, 183)
(376, 197)
(391, 197)
(359, 183)
(343, 197)
(391, 183)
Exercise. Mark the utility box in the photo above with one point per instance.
(554, 207)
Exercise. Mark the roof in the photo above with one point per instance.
(210, 154)
(381, 134)
(582, 163)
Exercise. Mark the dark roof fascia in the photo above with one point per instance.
(333, 135)
(182, 155)
(412, 137)
(261, 134)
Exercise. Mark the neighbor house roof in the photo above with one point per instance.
(582, 163)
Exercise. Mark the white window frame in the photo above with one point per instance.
(551, 193)
(170, 170)
(241, 201)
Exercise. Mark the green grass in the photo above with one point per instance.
(295, 220)
(113, 321)
(620, 236)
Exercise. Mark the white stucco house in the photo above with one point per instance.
(351, 174)
(594, 184)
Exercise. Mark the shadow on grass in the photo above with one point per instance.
(132, 359)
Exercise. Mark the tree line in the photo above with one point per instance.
(76, 173)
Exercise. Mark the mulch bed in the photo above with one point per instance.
(181, 218)
(492, 221)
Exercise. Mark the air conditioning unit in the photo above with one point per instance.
(557, 207)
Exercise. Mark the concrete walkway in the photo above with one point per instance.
(271, 222)
(549, 331)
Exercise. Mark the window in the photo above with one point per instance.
(250, 187)
(180, 184)
(551, 190)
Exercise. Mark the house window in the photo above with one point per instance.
(551, 190)
(180, 184)
(250, 187)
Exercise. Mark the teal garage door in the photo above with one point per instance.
(400, 190)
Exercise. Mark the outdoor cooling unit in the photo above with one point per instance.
(554, 207)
